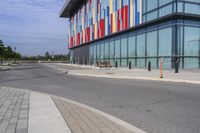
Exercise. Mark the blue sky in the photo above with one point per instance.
(33, 26)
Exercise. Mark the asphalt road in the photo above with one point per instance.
(156, 107)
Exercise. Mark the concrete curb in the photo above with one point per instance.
(65, 71)
(2, 70)
(136, 78)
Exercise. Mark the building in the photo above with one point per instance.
(134, 31)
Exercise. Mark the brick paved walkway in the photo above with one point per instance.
(81, 120)
(14, 110)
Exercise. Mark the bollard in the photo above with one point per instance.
(91, 63)
(97, 64)
(161, 68)
(149, 66)
(130, 65)
(176, 67)
(116, 64)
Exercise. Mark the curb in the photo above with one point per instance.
(136, 78)
(2, 70)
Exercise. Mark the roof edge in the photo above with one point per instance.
(71, 7)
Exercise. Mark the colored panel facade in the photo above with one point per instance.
(136, 32)
(100, 18)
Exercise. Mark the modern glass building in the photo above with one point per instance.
(136, 31)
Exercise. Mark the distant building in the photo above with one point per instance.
(136, 31)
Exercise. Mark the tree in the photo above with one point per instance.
(1, 51)
(47, 55)
(7, 53)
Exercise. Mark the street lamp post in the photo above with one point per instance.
(52, 55)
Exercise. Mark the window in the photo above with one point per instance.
(152, 48)
(192, 8)
(124, 47)
(131, 46)
(141, 45)
(112, 49)
(117, 48)
(152, 15)
(98, 51)
(165, 10)
(141, 50)
(131, 50)
(180, 6)
(197, 1)
(124, 51)
(95, 51)
(165, 45)
(152, 4)
(112, 52)
(91, 52)
(163, 2)
(191, 46)
(117, 51)
(102, 50)
(106, 50)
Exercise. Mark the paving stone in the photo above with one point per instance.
(13, 119)
(82, 120)
(14, 110)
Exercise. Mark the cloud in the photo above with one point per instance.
(33, 26)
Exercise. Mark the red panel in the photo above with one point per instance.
(78, 39)
(111, 25)
(118, 20)
(82, 37)
(71, 42)
(88, 34)
(102, 28)
(85, 35)
(126, 17)
(123, 19)
(98, 29)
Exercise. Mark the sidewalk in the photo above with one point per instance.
(23, 111)
(4, 68)
(184, 76)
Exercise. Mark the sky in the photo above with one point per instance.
(33, 26)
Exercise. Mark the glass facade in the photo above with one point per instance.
(173, 40)
(153, 9)
(152, 43)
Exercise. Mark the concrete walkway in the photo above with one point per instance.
(23, 111)
(44, 116)
(184, 76)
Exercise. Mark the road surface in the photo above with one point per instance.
(156, 107)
